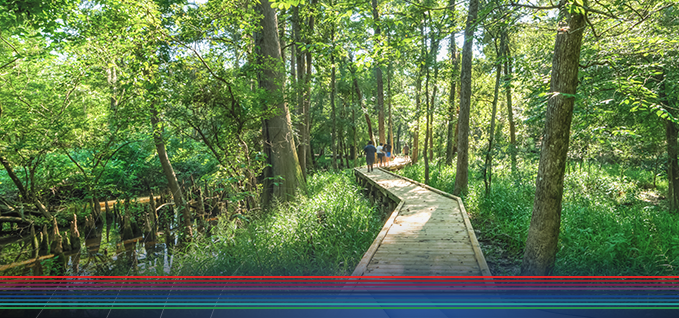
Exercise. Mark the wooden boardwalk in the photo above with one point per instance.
(428, 234)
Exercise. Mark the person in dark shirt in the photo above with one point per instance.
(370, 155)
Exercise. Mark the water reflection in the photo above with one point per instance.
(99, 257)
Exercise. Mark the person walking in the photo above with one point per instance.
(380, 154)
(406, 151)
(387, 150)
(369, 150)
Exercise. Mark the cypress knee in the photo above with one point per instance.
(44, 241)
(75, 235)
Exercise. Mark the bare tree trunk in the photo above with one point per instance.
(504, 39)
(487, 170)
(398, 139)
(672, 166)
(391, 122)
(426, 105)
(171, 177)
(283, 176)
(671, 133)
(359, 95)
(462, 170)
(543, 233)
(451, 145)
(353, 129)
(299, 90)
(431, 120)
(333, 92)
(433, 53)
(378, 75)
(307, 86)
(416, 132)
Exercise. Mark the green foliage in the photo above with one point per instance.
(325, 233)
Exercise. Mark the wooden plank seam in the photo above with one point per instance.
(481, 260)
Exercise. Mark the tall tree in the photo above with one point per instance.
(378, 73)
(299, 88)
(671, 135)
(488, 167)
(333, 93)
(307, 85)
(507, 56)
(283, 176)
(543, 233)
(462, 170)
(418, 105)
(359, 96)
(451, 145)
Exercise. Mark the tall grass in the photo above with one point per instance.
(324, 233)
(608, 226)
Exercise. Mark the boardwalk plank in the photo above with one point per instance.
(428, 235)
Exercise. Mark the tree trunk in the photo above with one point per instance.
(391, 122)
(504, 44)
(398, 139)
(378, 75)
(26, 196)
(432, 55)
(307, 96)
(371, 136)
(284, 175)
(353, 130)
(451, 145)
(672, 166)
(462, 169)
(333, 92)
(431, 120)
(488, 168)
(15, 179)
(426, 105)
(671, 133)
(299, 90)
(543, 233)
(416, 132)
(176, 191)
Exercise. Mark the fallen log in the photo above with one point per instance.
(14, 219)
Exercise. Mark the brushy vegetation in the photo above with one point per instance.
(613, 220)
(324, 233)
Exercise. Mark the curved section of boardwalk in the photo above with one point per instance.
(428, 234)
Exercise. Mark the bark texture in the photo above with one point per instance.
(283, 176)
(543, 233)
(462, 168)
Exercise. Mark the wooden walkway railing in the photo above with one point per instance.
(427, 234)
